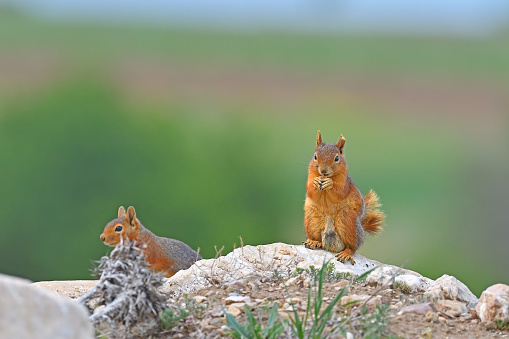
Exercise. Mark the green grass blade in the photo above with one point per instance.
(273, 332)
(365, 274)
(251, 319)
(237, 327)
(328, 312)
(272, 316)
(319, 290)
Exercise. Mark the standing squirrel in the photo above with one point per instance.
(162, 254)
(335, 214)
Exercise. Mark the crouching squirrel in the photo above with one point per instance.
(162, 254)
(336, 216)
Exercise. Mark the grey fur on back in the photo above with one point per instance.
(183, 255)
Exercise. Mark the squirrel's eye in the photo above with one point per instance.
(118, 229)
(315, 157)
(336, 159)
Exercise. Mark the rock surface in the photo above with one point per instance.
(67, 288)
(27, 311)
(384, 274)
(265, 260)
(415, 282)
(448, 287)
(360, 299)
(422, 309)
(283, 259)
(278, 274)
(452, 308)
(494, 304)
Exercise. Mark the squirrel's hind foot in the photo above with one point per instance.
(345, 255)
(312, 244)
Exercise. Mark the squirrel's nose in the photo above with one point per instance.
(324, 172)
(103, 237)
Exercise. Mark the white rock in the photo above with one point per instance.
(235, 309)
(237, 299)
(361, 298)
(448, 287)
(381, 275)
(494, 304)
(399, 304)
(290, 308)
(418, 308)
(200, 299)
(27, 311)
(411, 280)
(294, 300)
(451, 307)
(298, 280)
(261, 260)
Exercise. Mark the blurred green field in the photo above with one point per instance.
(208, 135)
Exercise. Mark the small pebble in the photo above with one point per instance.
(237, 299)
(200, 299)
(215, 321)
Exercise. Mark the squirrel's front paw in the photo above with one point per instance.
(322, 183)
(317, 182)
(326, 184)
(312, 244)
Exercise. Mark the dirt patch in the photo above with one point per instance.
(212, 322)
(68, 288)
(207, 319)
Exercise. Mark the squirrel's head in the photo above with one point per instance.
(328, 159)
(126, 225)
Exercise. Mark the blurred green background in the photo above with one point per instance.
(208, 134)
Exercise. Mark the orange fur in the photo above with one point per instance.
(336, 215)
(373, 216)
(161, 254)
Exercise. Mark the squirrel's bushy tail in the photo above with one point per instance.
(373, 216)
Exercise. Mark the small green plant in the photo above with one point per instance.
(282, 273)
(298, 271)
(253, 329)
(276, 275)
(503, 325)
(423, 299)
(329, 274)
(170, 317)
(403, 287)
(427, 332)
(373, 324)
(314, 312)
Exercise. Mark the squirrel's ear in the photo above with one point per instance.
(131, 215)
(341, 143)
(318, 139)
(121, 212)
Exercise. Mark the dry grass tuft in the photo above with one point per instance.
(127, 290)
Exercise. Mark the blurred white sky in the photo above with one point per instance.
(403, 17)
